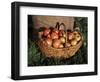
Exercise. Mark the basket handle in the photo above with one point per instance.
(58, 26)
(62, 24)
(65, 29)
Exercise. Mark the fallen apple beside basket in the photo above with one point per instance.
(59, 41)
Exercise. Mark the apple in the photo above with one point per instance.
(75, 32)
(78, 37)
(64, 34)
(46, 31)
(60, 32)
(73, 42)
(48, 36)
(70, 35)
(56, 30)
(56, 43)
(62, 39)
(49, 41)
(61, 46)
(54, 35)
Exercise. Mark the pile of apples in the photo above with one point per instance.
(57, 38)
(73, 38)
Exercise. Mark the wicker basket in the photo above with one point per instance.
(66, 52)
(40, 21)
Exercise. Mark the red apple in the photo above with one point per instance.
(48, 36)
(54, 35)
(46, 31)
(56, 30)
(60, 32)
(70, 35)
(56, 43)
(49, 41)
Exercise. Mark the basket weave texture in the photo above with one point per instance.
(58, 53)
